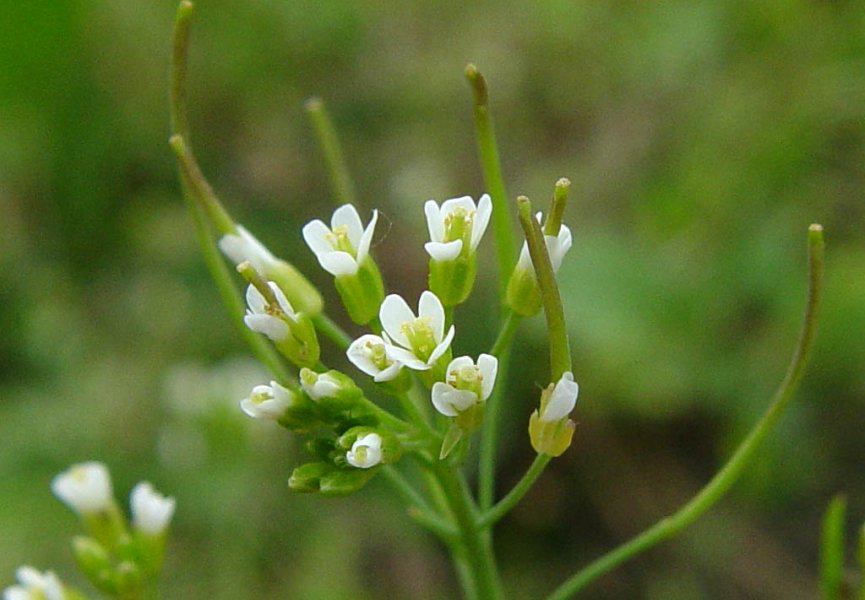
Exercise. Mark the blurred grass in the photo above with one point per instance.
(702, 138)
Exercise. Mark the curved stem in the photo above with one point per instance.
(340, 180)
(728, 474)
(419, 509)
(516, 494)
(332, 331)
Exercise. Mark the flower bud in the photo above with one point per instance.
(523, 294)
(151, 511)
(550, 429)
(366, 447)
(333, 392)
(270, 313)
(93, 560)
(293, 410)
(307, 477)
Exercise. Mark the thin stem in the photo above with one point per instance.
(490, 428)
(492, 170)
(560, 351)
(419, 509)
(340, 180)
(728, 474)
(504, 505)
(832, 549)
(860, 557)
(477, 548)
(417, 417)
(332, 331)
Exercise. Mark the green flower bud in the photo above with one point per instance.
(344, 482)
(307, 477)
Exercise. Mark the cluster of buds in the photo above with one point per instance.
(121, 557)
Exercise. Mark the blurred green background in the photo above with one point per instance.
(702, 138)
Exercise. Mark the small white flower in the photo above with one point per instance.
(415, 341)
(465, 384)
(457, 223)
(242, 246)
(369, 353)
(319, 385)
(562, 399)
(84, 487)
(34, 585)
(151, 511)
(264, 318)
(267, 401)
(557, 247)
(365, 451)
(342, 247)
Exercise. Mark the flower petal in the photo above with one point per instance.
(406, 357)
(273, 327)
(481, 220)
(346, 215)
(442, 348)
(283, 302)
(315, 234)
(434, 221)
(393, 313)
(488, 365)
(449, 401)
(444, 250)
(464, 202)
(563, 399)
(255, 301)
(430, 306)
(338, 263)
(366, 238)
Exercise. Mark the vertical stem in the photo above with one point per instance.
(340, 180)
(492, 170)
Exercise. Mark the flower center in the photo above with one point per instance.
(467, 378)
(458, 225)
(420, 336)
(338, 239)
(376, 353)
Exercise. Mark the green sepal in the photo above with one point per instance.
(452, 280)
(345, 481)
(307, 477)
(471, 418)
(452, 437)
(523, 295)
(300, 346)
(108, 527)
(303, 415)
(361, 293)
(93, 560)
(128, 579)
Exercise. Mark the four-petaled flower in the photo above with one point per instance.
(151, 511)
(457, 226)
(465, 385)
(265, 318)
(342, 247)
(369, 353)
(415, 341)
(365, 451)
(85, 488)
(33, 585)
(267, 401)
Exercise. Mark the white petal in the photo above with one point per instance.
(559, 246)
(371, 443)
(406, 357)
(563, 398)
(273, 327)
(255, 301)
(243, 246)
(315, 234)
(283, 302)
(430, 306)
(151, 511)
(393, 313)
(366, 238)
(449, 401)
(347, 215)
(488, 366)
(464, 202)
(359, 355)
(434, 222)
(460, 362)
(525, 260)
(84, 487)
(442, 348)
(338, 263)
(444, 251)
(481, 220)
(389, 373)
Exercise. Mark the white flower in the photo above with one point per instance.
(455, 224)
(319, 385)
(365, 451)
(557, 247)
(151, 511)
(267, 401)
(84, 487)
(369, 353)
(562, 399)
(342, 247)
(242, 246)
(465, 385)
(419, 340)
(264, 318)
(34, 586)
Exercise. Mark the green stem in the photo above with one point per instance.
(476, 547)
(490, 428)
(728, 474)
(516, 494)
(417, 417)
(860, 557)
(419, 509)
(560, 352)
(328, 142)
(332, 331)
(492, 170)
(832, 549)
